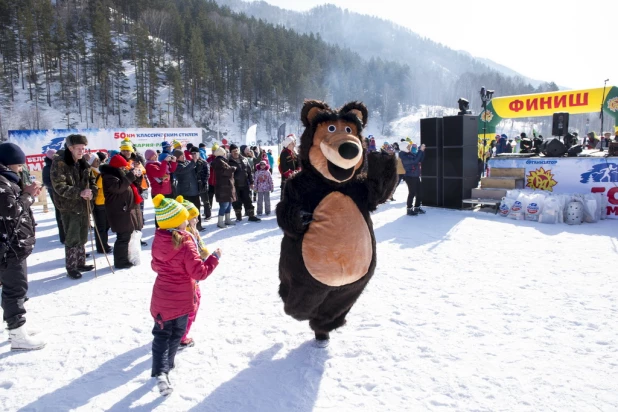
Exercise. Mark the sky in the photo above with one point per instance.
(572, 43)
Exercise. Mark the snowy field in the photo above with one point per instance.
(467, 311)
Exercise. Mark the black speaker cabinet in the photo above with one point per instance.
(460, 161)
(431, 132)
(455, 189)
(460, 131)
(560, 124)
(432, 162)
(431, 189)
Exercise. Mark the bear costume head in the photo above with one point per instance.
(331, 144)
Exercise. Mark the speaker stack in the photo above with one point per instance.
(431, 137)
(450, 166)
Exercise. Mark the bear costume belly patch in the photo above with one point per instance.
(337, 247)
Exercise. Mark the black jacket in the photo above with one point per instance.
(16, 220)
(47, 174)
(243, 175)
(123, 214)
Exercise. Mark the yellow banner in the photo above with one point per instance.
(546, 104)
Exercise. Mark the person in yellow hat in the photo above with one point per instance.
(178, 264)
(176, 145)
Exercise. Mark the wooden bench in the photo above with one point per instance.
(491, 202)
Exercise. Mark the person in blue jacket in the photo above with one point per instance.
(412, 156)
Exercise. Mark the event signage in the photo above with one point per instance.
(35, 143)
(569, 175)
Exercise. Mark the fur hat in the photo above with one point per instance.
(11, 154)
(178, 153)
(220, 152)
(74, 139)
(169, 213)
(149, 153)
(291, 138)
(50, 153)
(193, 211)
(233, 147)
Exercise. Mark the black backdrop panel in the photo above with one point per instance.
(459, 130)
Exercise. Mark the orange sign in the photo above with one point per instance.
(541, 179)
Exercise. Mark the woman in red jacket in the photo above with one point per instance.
(177, 262)
(158, 172)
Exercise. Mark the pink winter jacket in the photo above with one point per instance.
(158, 174)
(262, 179)
(173, 294)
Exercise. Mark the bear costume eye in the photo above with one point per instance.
(332, 128)
(348, 129)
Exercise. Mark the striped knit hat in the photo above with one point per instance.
(127, 145)
(193, 211)
(169, 213)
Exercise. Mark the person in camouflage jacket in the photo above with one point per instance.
(74, 186)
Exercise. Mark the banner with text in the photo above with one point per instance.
(569, 175)
(35, 143)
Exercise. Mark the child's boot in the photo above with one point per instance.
(164, 384)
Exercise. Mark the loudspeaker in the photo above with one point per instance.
(431, 132)
(460, 161)
(432, 162)
(560, 124)
(431, 189)
(454, 190)
(553, 148)
(460, 131)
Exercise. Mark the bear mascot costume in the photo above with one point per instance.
(328, 251)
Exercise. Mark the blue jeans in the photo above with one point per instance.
(165, 344)
(225, 207)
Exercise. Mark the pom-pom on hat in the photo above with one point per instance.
(214, 147)
(75, 139)
(11, 154)
(193, 211)
(126, 145)
(169, 213)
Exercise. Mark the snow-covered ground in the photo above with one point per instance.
(467, 311)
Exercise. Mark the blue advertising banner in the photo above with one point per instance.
(569, 175)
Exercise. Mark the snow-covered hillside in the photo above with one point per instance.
(467, 311)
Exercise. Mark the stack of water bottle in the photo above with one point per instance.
(547, 207)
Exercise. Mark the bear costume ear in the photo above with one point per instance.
(357, 109)
(311, 109)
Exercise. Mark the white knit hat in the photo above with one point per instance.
(220, 151)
